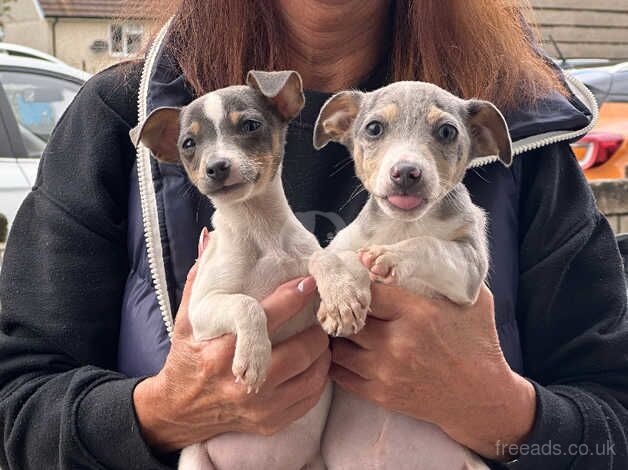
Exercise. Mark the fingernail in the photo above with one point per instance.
(307, 285)
(202, 241)
(192, 270)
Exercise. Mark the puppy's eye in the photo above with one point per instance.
(374, 129)
(188, 143)
(250, 125)
(447, 133)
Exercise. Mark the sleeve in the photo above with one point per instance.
(572, 318)
(61, 287)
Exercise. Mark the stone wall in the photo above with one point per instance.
(612, 199)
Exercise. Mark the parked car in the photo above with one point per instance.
(34, 93)
(15, 50)
(603, 153)
(571, 64)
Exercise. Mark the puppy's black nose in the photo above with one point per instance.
(405, 175)
(218, 170)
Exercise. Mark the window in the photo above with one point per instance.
(619, 89)
(125, 39)
(37, 102)
(598, 82)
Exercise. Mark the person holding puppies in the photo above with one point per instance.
(98, 365)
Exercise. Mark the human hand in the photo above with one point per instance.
(195, 397)
(438, 362)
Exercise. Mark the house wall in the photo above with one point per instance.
(26, 26)
(585, 28)
(74, 39)
(24, 10)
(69, 39)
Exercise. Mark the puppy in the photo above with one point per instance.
(411, 143)
(231, 144)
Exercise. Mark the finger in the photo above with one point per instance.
(372, 334)
(353, 358)
(486, 300)
(295, 355)
(301, 407)
(203, 240)
(182, 325)
(352, 383)
(292, 391)
(287, 300)
(385, 301)
(391, 302)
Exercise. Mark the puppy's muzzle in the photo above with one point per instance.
(405, 176)
(218, 170)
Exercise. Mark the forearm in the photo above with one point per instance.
(576, 427)
(159, 426)
(500, 420)
(82, 418)
(572, 317)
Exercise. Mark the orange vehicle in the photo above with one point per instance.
(603, 153)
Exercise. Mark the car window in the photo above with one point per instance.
(37, 102)
(619, 89)
(598, 81)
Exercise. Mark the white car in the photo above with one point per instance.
(15, 50)
(34, 93)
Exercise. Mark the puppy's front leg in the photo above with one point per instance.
(454, 269)
(345, 290)
(218, 314)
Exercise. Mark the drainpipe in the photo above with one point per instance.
(55, 20)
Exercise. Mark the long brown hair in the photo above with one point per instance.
(476, 48)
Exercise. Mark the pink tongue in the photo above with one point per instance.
(404, 202)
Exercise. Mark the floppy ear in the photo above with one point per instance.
(284, 89)
(489, 131)
(336, 118)
(160, 133)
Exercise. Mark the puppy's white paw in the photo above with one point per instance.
(344, 306)
(251, 361)
(382, 264)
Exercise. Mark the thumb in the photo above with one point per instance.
(391, 302)
(182, 326)
(287, 300)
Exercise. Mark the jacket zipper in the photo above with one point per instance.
(147, 190)
(150, 220)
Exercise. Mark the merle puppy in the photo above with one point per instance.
(411, 143)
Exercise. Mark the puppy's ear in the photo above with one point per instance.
(284, 89)
(336, 118)
(160, 133)
(489, 132)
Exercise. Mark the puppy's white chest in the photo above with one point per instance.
(273, 269)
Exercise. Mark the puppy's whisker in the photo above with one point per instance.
(446, 189)
(479, 175)
(360, 189)
(341, 166)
